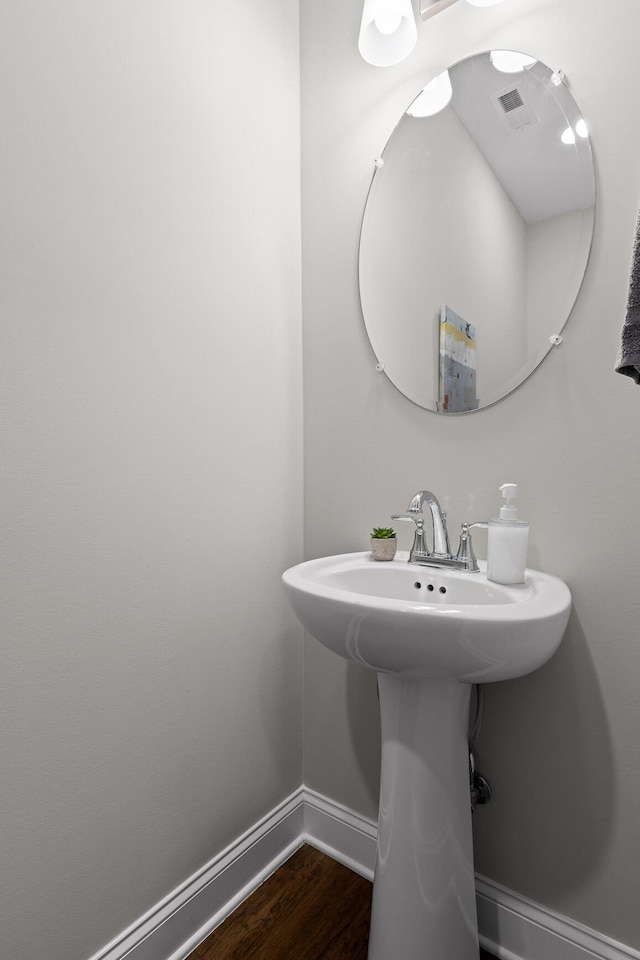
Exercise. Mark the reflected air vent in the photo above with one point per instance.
(511, 100)
(514, 110)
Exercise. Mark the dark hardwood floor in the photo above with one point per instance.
(312, 908)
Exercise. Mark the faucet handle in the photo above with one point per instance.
(418, 520)
(419, 547)
(465, 553)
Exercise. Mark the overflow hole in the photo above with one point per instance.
(443, 589)
(430, 587)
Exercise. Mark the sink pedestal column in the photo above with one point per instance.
(424, 905)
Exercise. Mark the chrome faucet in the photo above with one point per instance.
(441, 555)
(441, 546)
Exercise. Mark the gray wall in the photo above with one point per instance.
(150, 670)
(560, 747)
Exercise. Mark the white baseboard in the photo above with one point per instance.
(510, 926)
(346, 836)
(184, 918)
(514, 928)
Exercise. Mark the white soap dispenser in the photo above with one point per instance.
(508, 539)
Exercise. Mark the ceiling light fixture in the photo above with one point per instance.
(388, 31)
(429, 8)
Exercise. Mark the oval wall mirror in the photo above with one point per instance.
(476, 232)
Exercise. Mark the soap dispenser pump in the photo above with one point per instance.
(508, 540)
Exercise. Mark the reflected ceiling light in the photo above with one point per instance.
(508, 61)
(433, 98)
(569, 135)
(581, 129)
(388, 31)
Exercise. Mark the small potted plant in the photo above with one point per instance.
(383, 543)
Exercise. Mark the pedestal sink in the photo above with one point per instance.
(430, 634)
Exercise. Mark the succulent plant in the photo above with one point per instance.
(383, 533)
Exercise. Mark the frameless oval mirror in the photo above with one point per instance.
(477, 231)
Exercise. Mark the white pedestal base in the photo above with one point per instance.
(424, 904)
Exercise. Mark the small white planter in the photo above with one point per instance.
(383, 549)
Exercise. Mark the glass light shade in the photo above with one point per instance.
(388, 32)
(433, 98)
(388, 21)
(508, 61)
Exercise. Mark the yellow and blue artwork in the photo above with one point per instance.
(457, 381)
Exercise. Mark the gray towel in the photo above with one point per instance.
(628, 359)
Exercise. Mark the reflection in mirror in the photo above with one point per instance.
(476, 231)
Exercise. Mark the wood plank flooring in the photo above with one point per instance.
(312, 908)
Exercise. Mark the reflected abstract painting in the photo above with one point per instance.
(457, 381)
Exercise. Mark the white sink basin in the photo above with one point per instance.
(430, 633)
(424, 622)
